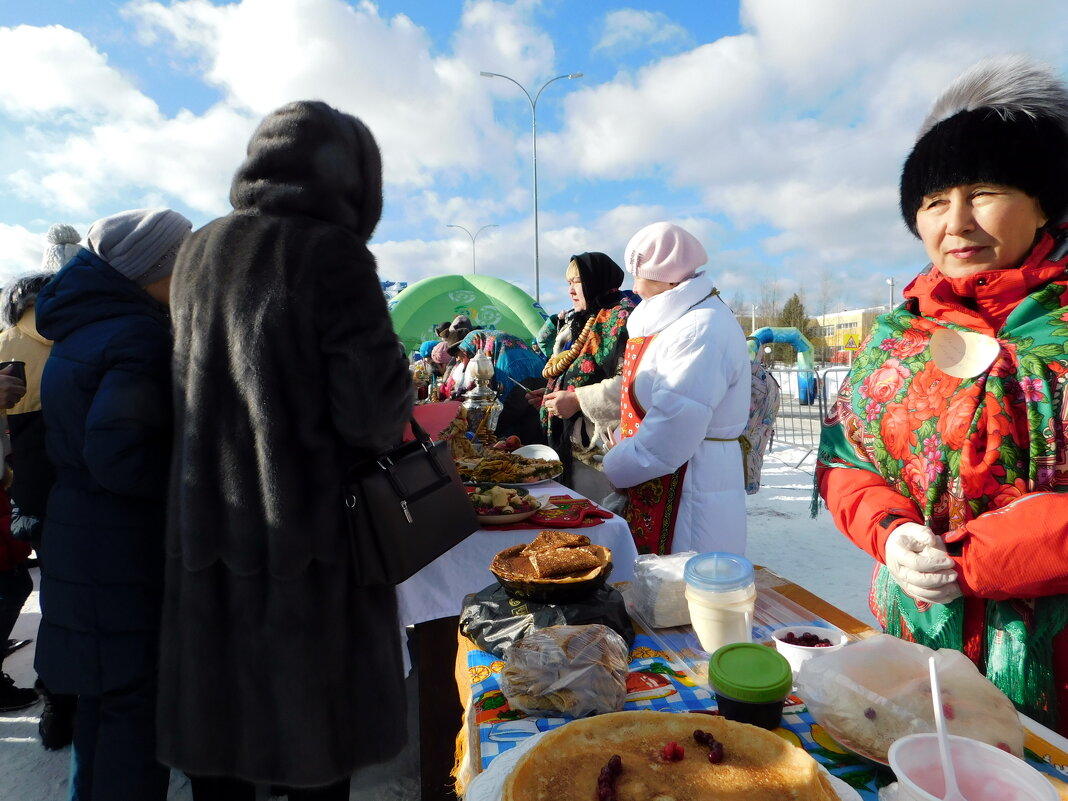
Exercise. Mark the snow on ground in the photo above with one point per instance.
(782, 537)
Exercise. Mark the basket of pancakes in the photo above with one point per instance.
(554, 567)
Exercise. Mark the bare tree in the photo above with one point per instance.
(770, 305)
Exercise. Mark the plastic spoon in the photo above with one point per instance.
(952, 793)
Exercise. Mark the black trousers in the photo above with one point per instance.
(223, 789)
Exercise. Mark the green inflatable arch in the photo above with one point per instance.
(489, 302)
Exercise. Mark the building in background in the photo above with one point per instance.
(840, 333)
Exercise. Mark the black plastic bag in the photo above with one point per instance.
(494, 620)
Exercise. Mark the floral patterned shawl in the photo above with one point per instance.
(959, 447)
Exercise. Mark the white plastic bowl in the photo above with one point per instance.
(797, 655)
(537, 452)
(984, 773)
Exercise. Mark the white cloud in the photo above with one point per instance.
(54, 76)
(633, 29)
(20, 251)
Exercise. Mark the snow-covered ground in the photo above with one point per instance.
(782, 537)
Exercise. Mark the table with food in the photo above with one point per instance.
(516, 499)
(613, 696)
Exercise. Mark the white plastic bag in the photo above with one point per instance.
(566, 670)
(875, 691)
(659, 589)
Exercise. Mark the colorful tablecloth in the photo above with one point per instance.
(670, 679)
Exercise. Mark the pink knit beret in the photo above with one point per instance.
(664, 252)
(440, 353)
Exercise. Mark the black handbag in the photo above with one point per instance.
(405, 508)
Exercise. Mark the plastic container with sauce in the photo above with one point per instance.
(751, 683)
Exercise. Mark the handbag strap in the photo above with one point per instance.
(419, 432)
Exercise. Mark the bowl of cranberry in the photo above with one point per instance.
(804, 641)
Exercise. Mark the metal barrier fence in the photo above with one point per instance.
(806, 395)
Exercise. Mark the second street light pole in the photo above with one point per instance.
(473, 236)
(534, 147)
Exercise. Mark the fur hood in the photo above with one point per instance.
(19, 295)
(308, 159)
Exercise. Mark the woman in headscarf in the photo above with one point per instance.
(686, 388)
(580, 404)
(276, 667)
(944, 456)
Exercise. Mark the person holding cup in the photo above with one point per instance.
(944, 455)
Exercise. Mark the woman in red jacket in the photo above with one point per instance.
(945, 456)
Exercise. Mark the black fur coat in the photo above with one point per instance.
(274, 667)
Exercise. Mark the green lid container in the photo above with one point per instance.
(750, 672)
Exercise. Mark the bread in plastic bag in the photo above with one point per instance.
(878, 690)
(566, 670)
(659, 589)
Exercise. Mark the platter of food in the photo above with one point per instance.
(496, 505)
(508, 470)
(566, 763)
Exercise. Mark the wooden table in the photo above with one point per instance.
(430, 602)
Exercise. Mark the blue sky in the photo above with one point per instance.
(772, 129)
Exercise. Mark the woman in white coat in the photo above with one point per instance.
(686, 386)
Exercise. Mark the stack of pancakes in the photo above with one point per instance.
(757, 765)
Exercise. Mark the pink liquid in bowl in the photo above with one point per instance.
(973, 786)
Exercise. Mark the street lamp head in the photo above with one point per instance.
(488, 74)
(575, 75)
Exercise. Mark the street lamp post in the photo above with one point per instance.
(534, 148)
(473, 236)
(890, 281)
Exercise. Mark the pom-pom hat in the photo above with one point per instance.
(63, 242)
(1004, 121)
(141, 244)
(664, 252)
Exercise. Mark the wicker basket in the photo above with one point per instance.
(561, 589)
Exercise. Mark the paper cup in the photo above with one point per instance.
(984, 773)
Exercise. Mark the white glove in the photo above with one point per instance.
(917, 560)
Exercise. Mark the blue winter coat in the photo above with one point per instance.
(107, 408)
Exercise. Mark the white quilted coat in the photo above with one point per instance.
(693, 382)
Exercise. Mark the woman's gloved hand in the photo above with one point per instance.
(917, 560)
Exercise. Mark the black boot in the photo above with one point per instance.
(57, 718)
(12, 697)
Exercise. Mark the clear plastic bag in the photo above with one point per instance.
(566, 670)
(875, 691)
(659, 589)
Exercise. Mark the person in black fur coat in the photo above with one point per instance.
(275, 667)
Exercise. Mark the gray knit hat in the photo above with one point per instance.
(141, 244)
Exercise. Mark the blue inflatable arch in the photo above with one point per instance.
(806, 378)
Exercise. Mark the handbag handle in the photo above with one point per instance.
(419, 432)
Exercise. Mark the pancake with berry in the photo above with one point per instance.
(683, 756)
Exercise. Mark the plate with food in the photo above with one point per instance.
(496, 505)
(755, 764)
(508, 470)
